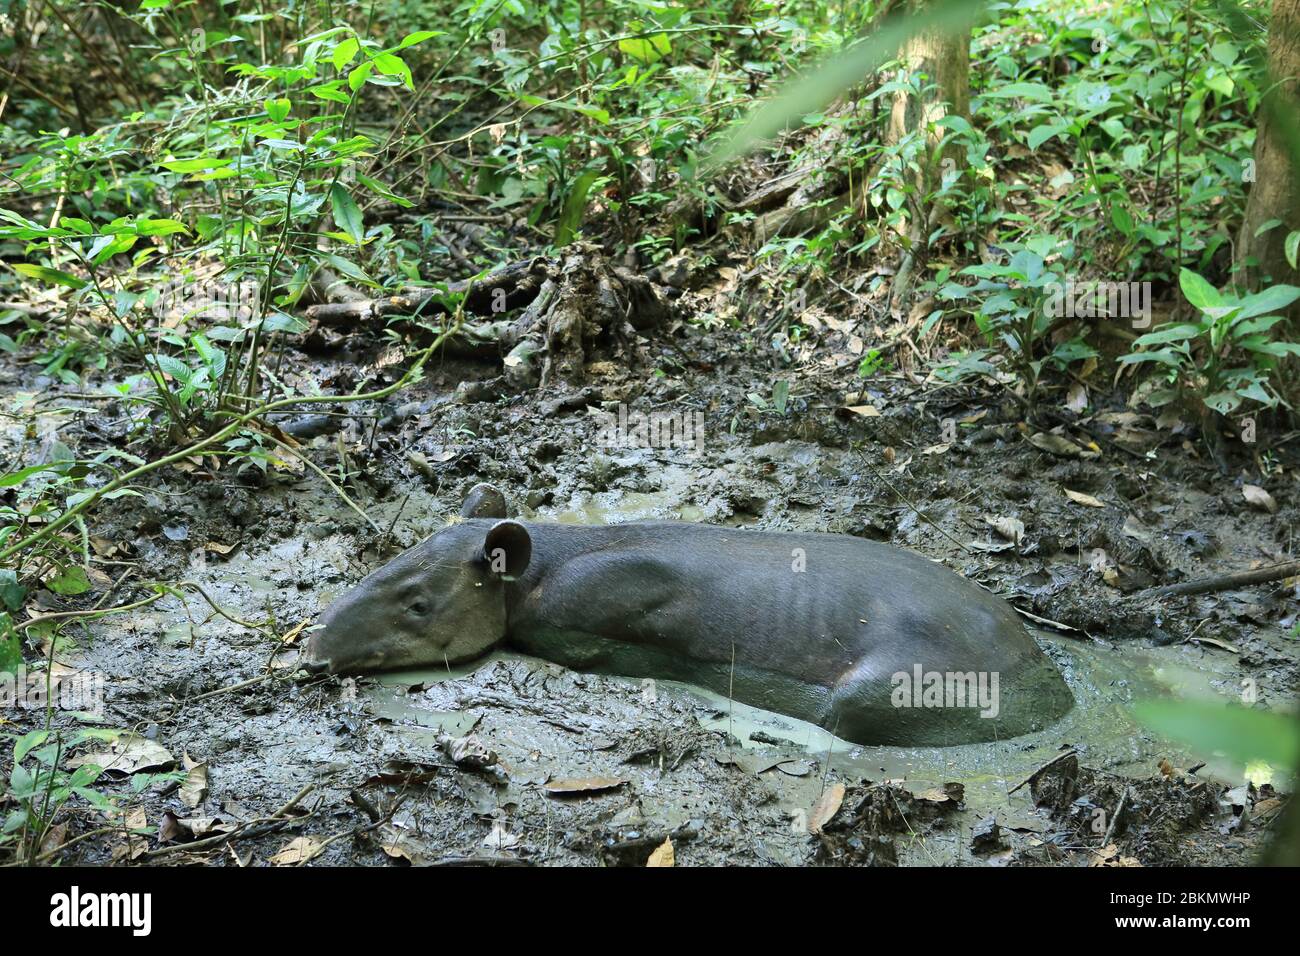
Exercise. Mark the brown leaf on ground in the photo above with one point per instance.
(663, 855)
(299, 850)
(950, 794)
(1084, 499)
(576, 785)
(827, 805)
(1062, 447)
(1109, 855)
(194, 789)
(128, 754)
(1259, 499)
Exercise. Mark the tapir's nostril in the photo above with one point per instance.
(315, 667)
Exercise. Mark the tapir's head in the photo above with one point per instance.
(440, 602)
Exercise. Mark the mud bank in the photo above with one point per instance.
(517, 761)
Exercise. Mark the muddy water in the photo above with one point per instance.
(548, 723)
(1106, 680)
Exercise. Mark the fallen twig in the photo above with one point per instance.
(1226, 582)
(1061, 756)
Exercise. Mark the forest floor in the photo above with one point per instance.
(225, 732)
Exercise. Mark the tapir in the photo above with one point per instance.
(874, 643)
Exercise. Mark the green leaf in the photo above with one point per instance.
(1245, 735)
(1169, 333)
(1273, 299)
(21, 783)
(326, 92)
(649, 49)
(1021, 91)
(419, 36)
(1041, 134)
(1171, 357)
(283, 322)
(1271, 224)
(71, 580)
(9, 479)
(344, 52)
(278, 109)
(159, 227)
(575, 204)
(46, 274)
(1198, 292)
(174, 367)
(1291, 247)
(347, 215)
(780, 396)
(12, 593)
(358, 76)
(198, 164)
(384, 191)
(390, 64)
(1121, 219)
(27, 742)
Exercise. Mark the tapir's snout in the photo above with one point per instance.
(441, 602)
(327, 647)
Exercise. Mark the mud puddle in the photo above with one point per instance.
(566, 767)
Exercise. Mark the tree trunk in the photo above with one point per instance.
(944, 57)
(1275, 191)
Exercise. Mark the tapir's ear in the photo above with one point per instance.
(508, 549)
(484, 501)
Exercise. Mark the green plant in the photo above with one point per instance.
(1013, 308)
(40, 787)
(1227, 356)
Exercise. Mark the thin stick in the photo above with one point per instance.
(1060, 756)
(1225, 582)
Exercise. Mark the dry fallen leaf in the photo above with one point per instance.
(1013, 529)
(500, 838)
(1110, 856)
(128, 754)
(827, 805)
(299, 850)
(663, 855)
(1258, 498)
(1077, 399)
(468, 751)
(866, 411)
(572, 785)
(291, 636)
(1084, 499)
(950, 794)
(1058, 445)
(134, 846)
(194, 789)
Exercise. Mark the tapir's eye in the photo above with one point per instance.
(418, 608)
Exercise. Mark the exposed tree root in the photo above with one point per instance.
(568, 305)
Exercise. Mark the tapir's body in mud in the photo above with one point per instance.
(817, 626)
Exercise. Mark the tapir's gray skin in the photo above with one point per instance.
(706, 605)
